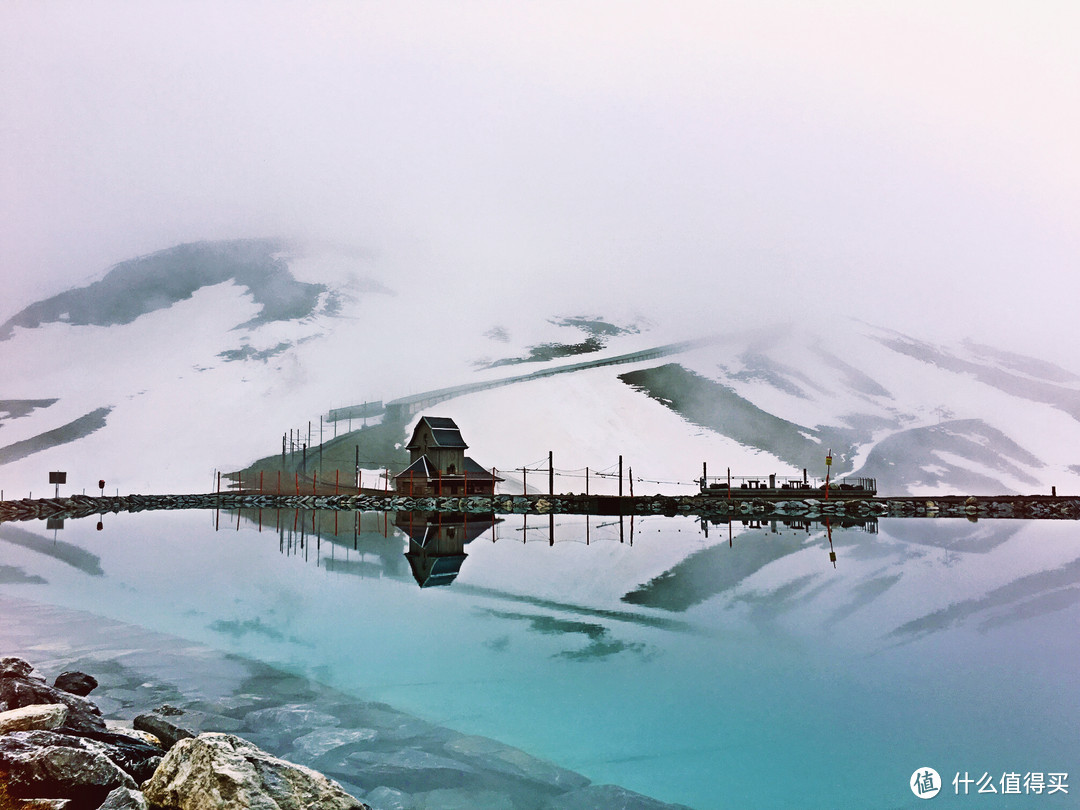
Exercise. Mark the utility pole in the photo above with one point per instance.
(551, 476)
(620, 476)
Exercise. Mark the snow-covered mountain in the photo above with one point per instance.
(202, 357)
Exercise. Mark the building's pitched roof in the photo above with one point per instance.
(421, 468)
(440, 422)
(444, 431)
(474, 470)
(445, 437)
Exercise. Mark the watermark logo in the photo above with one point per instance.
(925, 783)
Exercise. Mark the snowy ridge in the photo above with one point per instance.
(212, 376)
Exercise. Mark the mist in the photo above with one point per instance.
(701, 163)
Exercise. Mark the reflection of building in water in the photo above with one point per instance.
(438, 464)
(437, 542)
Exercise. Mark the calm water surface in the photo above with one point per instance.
(742, 667)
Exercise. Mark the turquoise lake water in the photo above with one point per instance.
(741, 668)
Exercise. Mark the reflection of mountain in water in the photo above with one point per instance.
(955, 535)
(75, 556)
(714, 570)
(1023, 598)
(370, 545)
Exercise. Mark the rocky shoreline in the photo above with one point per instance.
(57, 752)
(158, 695)
(1027, 507)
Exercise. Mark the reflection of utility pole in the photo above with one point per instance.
(828, 528)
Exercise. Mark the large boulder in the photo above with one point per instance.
(18, 691)
(132, 755)
(42, 764)
(12, 667)
(221, 772)
(77, 683)
(170, 725)
(46, 716)
(123, 798)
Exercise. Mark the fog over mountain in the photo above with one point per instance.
(205, 356)
(438, 171)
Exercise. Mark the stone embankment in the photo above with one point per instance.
(57, 753)
(1029, 507)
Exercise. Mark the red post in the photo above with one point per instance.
(279, 482)
(314, 481)
(298, 484)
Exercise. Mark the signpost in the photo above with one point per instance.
(58, 478)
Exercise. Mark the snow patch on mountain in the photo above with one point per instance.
(223, 348)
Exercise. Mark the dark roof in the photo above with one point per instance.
(424, 469)
(474, 470)
(445, 437)
(421, 468)
(440, 422)
(437, 571)
(444, 432)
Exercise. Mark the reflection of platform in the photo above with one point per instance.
(867, 524)
(437, 543)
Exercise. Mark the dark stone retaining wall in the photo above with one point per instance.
(956, 506)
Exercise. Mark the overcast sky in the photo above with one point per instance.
(913, 163)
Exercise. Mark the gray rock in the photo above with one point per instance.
(123, 798)
(288, 719)
(165, 729)
(46, 716)
(134, 754)
(11, 667)
(77, 683)
(387, 798)
(492, 755)
(35, 768)
(223, 772)
(318, 743)
(410, 769)
(131, 754)
(607, 797)
(170, 724)
(457, 799)
(396, 726)
(18, 692)
(278, 726)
